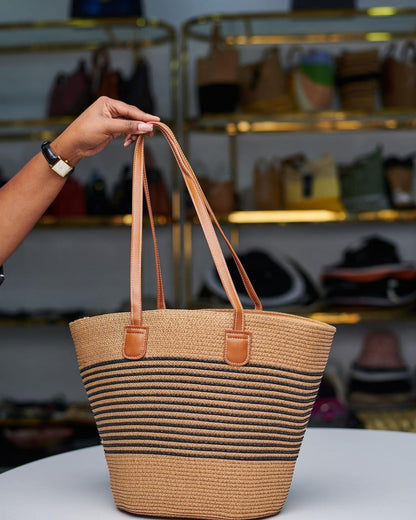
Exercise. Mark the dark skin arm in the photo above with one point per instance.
(24, 199)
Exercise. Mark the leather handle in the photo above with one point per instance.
(237, 341)
(160, 291)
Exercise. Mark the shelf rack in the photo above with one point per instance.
(74, 35)
(375, 25)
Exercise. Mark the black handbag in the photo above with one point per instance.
(105, 8)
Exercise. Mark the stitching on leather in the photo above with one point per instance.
(237, 335)
(141, 332)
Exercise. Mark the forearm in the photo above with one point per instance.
(23, 200)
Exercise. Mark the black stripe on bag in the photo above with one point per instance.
(217, 385)
(191, 427)
(107, 394)
(213, 366)
(139, 451)
(138, 397)
(207, 410)
(123, 434)
(267, 421)
(218, 412)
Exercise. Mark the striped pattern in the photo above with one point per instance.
(186, 435)
(196, 408)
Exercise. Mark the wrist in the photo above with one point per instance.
(64, 149)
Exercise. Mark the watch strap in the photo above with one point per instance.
(57, 164)
(48, 153)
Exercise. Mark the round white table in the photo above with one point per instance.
(340, 474)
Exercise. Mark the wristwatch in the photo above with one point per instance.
(57, 164)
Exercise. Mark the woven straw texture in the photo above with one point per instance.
(186, 435)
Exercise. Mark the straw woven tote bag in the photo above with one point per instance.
(201, 412)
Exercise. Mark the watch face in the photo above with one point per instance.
(62, 168)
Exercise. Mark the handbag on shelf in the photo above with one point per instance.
(217, 77)
(267, 185)
(158, 192)
(70, 93)
(105, 81)
(399, 174)
(363, 185)
(70, 202)
(196, 406)
(313, 80)
(105, 8)
(398, 77)
(358, 77)
(311, 184)
(136, 90)
(264, 86)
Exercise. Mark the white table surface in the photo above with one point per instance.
(340, 474)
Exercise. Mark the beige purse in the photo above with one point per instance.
(201, 412)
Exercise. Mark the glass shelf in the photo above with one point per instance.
(328, 121)
(83, 34)
(313, 216)
(97, 221)
(340, 316)
(315, 26)
(39, 129)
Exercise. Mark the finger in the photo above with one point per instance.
(121, 109)
(118, 127)
(130, 139)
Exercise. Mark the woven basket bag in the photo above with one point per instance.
(201, 412)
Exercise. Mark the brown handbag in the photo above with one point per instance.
(70, 94)
(398, 77)
(264, 86)
(267, 183)
(105, 81)
(217, 77)
(196, 406)
(358, 77)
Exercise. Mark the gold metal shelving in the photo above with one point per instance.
(97, 221)
(375, 25)
(328, 121)
(308, 26)
(83, 34)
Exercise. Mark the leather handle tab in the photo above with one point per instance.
(237, 347)
(135, 342)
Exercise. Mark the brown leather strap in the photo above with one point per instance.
(237, 340)
(246, 281)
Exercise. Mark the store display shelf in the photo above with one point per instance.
(353, 316)
(98, 221)
(314, 26)
(313, 216)
(334, 316)
(83, 34)
(327, 121)
(38, 129)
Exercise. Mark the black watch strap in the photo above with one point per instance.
(48, 153)
(57, 164)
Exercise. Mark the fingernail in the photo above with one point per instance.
(144, 127)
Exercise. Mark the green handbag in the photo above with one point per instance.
(363, 186)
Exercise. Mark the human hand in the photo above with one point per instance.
(98, 125)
